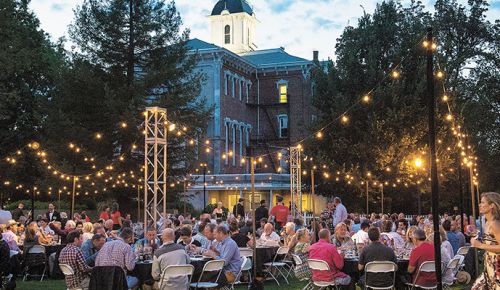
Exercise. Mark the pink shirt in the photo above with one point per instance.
(323, 250)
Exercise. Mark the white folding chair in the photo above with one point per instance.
(35, 250)
(380, 267)
(175, 271)
(68, 271)
(230, 286)
(210, 266)
(320, 265)
(462, 251)
(246, 252)
(453, 267)
(279, 265)
(246, 266)
(427, 267)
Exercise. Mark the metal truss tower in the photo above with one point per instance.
(155, 163)
(295, 181)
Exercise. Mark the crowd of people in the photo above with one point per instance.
(113, 240)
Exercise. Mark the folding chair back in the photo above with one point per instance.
(381, 267)
(246, 252)
(246, 265)
(462, 251)
(282, 251)
(176, 271)
(210, 266)
(214, 265)
(297, 260)
(66, 269)
(427, 267)
(37, 249)
(318, 265)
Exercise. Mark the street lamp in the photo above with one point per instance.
(204, 165)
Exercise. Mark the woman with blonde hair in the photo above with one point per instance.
(301, 249)
(490, 208)
(341, 238)
(88, 231)
(408, 238)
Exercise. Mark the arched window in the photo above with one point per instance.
(227, 34)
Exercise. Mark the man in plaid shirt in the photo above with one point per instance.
(72, 255)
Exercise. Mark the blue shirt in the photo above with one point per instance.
(230, 252)
(89, 252)
(454, 241)
(356, 228)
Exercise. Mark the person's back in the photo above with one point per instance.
(322, 250)
(423, 253)
(376, 251)
(115, 253)
(169, 254)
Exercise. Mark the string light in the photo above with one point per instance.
(440, 74)
(345, 119)
(98, 136)
(445, 98)
(319, 135)
(366, 98)
(395, 74)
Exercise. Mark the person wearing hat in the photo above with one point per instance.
(239, 209)
(9, 235)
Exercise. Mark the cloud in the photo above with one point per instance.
(301, 26)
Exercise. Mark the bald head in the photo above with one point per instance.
(324, 234)
(168, 235)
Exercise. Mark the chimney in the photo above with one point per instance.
(316, 56)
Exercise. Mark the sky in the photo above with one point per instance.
(300, 26)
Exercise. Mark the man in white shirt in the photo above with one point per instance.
(269, 235)
(361, 236)
(340, 212)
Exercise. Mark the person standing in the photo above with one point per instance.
(239, 209)
(52, 214)
(105, 214)
(490, 208)
(340, 213)
(116, 216)
(261, 212)
(72, 256)
(18, 212)
(280, 213)
(169, 254)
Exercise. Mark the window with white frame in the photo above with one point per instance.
(227, 34)
(282, 86)
(283, 126)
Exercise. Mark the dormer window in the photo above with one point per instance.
(227, 34)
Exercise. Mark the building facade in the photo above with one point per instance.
(262, 102)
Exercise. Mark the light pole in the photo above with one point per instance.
(204, 165)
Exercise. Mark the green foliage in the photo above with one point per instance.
(391, 131)
(88, 204)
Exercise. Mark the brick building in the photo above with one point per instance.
(262, 105)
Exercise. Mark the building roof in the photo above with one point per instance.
(275, 56)
(197, 44)
(233, 6)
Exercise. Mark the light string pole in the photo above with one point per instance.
(431, 103)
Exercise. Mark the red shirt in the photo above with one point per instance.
(281, 213)
(323, 250)
(423, 253)
(116, 217)
(104, 216)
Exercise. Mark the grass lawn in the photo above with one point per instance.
(60, 285)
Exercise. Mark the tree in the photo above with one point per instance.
(30, 64)
(384, 136)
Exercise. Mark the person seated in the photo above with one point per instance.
(88, 231)
(402, 228)
(169, 254)
(200, 237)
(423, 252)
(119, 253)
(389, 237)
(269, 236)
(226, 250)
(361, 236)
(209, 233)
(301, 249)
(376, 251)
(72, 256)
(150, 240)
(185, 238)
(289, 235)
(325, 251)
(91, 247)
(44, 225)
(341, 238)
(56, 227)
(260, 230)
(240, 239)
(9, 235)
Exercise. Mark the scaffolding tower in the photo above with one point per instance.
(295, 181)
(155, 164)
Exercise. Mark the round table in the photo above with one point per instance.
(264, 255)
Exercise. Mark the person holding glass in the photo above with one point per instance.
(490, 208)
